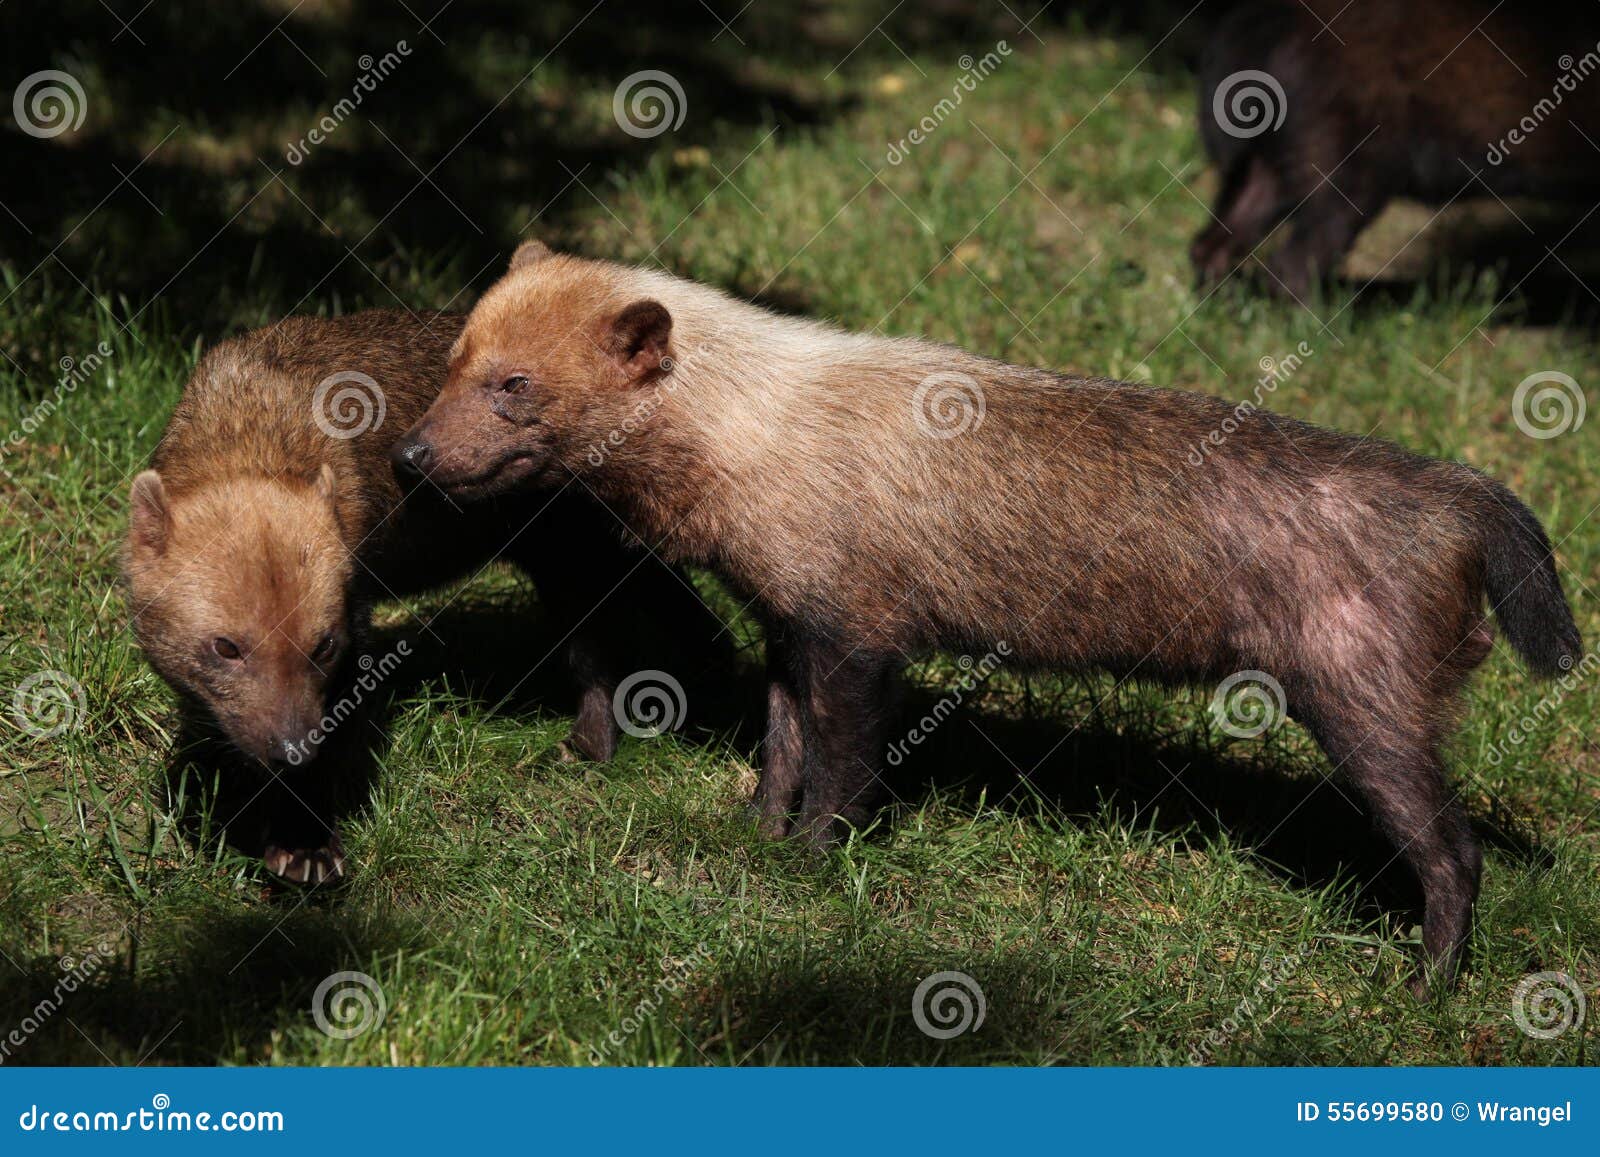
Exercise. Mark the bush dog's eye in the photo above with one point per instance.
(227, 648)
(324, 649)
(514, 384)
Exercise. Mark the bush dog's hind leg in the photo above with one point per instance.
(845, 697)
(782, 757)
(1324, 230)
(1249, 206)
(1400, 775)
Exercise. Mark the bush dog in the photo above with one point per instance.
(1070, 519)
(271, 519)
(1320, 112)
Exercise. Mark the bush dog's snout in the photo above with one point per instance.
(411, 454)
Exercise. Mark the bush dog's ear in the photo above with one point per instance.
(148, 513)
(638, 340)
(529, 253)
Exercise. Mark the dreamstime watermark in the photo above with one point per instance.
(973, 73)
(373, 673)
(672, 369)
(372, 73)
(1274, 372)
(1249, 103)
(1572, 73)
(159, 1118)
(74, 372)
(648, 704)
(948, 404)
(973, 674)
(1541, 713)
(76, 973)
(947, 1004)
(348, 1004)
(1249, 1007)
(1547, 1005)
(49, 103)
(1548, 404)
(675, 973)
(48, 703)
(1248, 704)
(649, 103)
(348, 404)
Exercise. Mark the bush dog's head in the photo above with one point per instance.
(553, 359)
(239, 596)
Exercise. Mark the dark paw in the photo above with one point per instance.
(595, 744)
(769, 824)
(324, 865)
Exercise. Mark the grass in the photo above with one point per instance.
(1126, 883)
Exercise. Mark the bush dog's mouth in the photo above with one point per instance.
(501, 476)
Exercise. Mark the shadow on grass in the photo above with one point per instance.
(807, 1009)
(504, 658)
(189, 189)
(499, 658)
(218, 984)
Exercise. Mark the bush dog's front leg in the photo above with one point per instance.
(846, 705)
(782, 755)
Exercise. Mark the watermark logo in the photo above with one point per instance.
(348, 1004)
(1574, 675)
(1274, 372)
(1248, 704)
(74, 372)
(947, 1004)
(972, 676)
(1548, 1004)
(1548, 404)
(1249, 1007)
(973, 73)
(675, 974)
(348, 404)
(649, 103)
(1249, 103)
(948, 404)
(373, 673)
(49, 103)
(75, 973)
(648, 704)
(48, 703)
(1573, 72)
(373, 72)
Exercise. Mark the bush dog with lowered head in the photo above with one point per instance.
(1320, 112)
(271, 519)
(1067, 518)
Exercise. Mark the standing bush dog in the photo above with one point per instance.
(1321, 112)
(824, 475)
(271, 519)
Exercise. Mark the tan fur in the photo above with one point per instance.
(256, 526)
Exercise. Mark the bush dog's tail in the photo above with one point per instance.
(1523, 587)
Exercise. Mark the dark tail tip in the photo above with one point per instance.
(1524, 588)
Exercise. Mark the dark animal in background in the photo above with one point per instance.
(878, 498)
(271, 520)
(1317, 113)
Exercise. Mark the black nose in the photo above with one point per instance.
(412, 457)
(285, 754)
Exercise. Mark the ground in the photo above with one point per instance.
(1124, 881)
